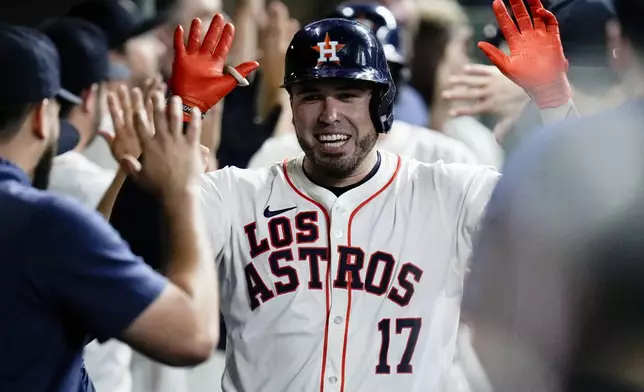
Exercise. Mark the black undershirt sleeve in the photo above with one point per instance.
(138, 217)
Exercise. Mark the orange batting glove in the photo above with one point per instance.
(198, 69)
(536, 62)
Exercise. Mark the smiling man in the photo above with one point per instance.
(341, 269)
(336, 131)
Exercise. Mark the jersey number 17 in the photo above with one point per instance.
(384, 326)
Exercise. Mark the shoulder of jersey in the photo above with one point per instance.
(437, 173)
(238, 179)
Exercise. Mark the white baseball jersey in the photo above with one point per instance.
(356, 293)
(404, 139)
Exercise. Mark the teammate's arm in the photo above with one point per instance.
(98, 281)
(536, 62)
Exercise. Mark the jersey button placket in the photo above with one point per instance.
(339, 301)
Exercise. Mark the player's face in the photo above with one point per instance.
(43, 167)
(144, 54)
(333, 123)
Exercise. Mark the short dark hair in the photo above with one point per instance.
(11, 118)
(65, 108)
(629, 14)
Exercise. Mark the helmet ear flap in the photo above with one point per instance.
(381, 107)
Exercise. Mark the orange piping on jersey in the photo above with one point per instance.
(353, 214)
(328, 269)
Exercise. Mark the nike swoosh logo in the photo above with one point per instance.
(269, 214)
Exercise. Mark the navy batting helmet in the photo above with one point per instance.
(345, 49)
(381, 21)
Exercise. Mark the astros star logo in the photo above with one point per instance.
(328, 50)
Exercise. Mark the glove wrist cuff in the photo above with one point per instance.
(186, 105)
(553, 94)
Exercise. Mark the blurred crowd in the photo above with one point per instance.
(569, 205)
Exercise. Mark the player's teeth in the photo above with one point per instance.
(332, 138)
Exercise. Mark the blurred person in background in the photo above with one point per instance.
(134, 46)
(564, 234)
(404, 139)
(440, 50)
(135, 54)
(67, 276)
(82, 47)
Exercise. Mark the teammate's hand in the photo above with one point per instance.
(486, 90)
(536, 62)
(150, 86)
(173, 161)
(122, 106)
(198, 68)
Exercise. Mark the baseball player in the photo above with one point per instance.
(404, 138)
(340, 269)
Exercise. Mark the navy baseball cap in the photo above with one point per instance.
(582, 26)
(119, 19)
(29, 67)
(83, 50)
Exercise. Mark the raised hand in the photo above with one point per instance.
(122, 106)
(536, 61)
(173, 160)
(152, 85)
(198, 76)
(486, 91)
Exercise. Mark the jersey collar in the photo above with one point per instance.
(351, 198)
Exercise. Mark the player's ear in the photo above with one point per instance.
(40, 119)
(89, 97)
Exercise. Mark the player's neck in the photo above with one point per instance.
(354, 177)
(83, 127)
